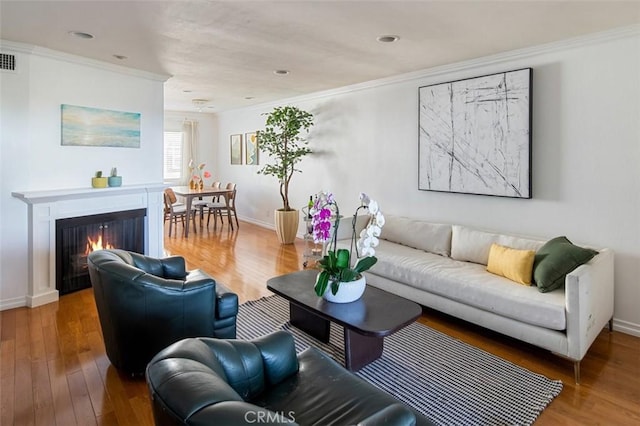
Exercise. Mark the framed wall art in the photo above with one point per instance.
(236, 149)
(475, 135)
(251, 148)
(84, 126)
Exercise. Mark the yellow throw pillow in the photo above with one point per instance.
(516, 265)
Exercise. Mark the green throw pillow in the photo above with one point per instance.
(555, 260)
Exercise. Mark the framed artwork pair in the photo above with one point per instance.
(250, 149)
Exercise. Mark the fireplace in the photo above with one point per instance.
(46, 207)
(76, 237)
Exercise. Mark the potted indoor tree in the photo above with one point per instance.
(282, 140)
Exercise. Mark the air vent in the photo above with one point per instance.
(7, 62)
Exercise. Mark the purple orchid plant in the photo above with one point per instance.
(336, 264)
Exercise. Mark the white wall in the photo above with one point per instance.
(208, 137)
(586, 152)
(31, 155)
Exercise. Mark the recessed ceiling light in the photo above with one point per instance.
(281, 72)
(120, 57)
(81, 34)
(387, 38)
(187, 91)
(249, 98)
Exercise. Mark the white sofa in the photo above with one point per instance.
(444, 267)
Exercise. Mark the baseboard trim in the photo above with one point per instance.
(16, 302)
(29, 301)
(43, 299)
(264, 224)
(626, 327)
(260, 223)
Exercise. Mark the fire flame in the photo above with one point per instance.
(96, 245)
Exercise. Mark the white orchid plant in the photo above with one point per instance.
(337, 266)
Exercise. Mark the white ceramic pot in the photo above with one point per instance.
(347, 292)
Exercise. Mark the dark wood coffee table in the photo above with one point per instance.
(366, 321)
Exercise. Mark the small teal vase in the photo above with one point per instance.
(115, 180)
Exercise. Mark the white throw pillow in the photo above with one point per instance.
(520, 243)
(471, 245)
(345, 229)
(430, 237)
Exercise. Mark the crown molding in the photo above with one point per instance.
(24, 48)
(512, 55)
(12, 46)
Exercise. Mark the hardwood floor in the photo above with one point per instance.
(54, 371)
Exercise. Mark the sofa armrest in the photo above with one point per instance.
(240, 413)
(279, 356)
(589, 291)
(395, 415)
(174, 267)
(226, 302)
(196, 279)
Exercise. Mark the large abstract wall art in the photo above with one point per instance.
(475, 135)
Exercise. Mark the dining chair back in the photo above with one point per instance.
(227, 207)
(172, 195)
(174, 211)
(200, 204)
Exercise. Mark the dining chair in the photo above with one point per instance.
(200, 204)
(175, 211)
(227, 207)
(173, 200)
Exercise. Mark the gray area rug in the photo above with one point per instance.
(449, 381)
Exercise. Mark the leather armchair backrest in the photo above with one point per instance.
(278, 351)
(242, 370)
(242, 366)
(141, 311)
(169, 267)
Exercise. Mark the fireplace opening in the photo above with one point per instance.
(76, 237)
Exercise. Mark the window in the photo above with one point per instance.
(173, 153)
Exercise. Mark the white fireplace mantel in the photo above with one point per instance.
(46, 206)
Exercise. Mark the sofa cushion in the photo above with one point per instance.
(520, 243)
(471, 284)
(555, 260)
(324, 393)
(514, 264)
(431, 237)
(472, 245)
(345, 226)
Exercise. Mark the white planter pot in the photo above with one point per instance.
(347, 292)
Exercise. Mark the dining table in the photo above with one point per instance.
(189, 194)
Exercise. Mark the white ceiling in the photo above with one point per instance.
(226, 51)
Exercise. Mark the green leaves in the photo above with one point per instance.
(365, 263)
(342, 259)
(336, 269)
(321, 283)
(281, 140)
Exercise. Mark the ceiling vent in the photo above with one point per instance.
(7, 62)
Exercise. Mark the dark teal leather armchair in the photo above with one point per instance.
(206, 381)
(146, 304)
